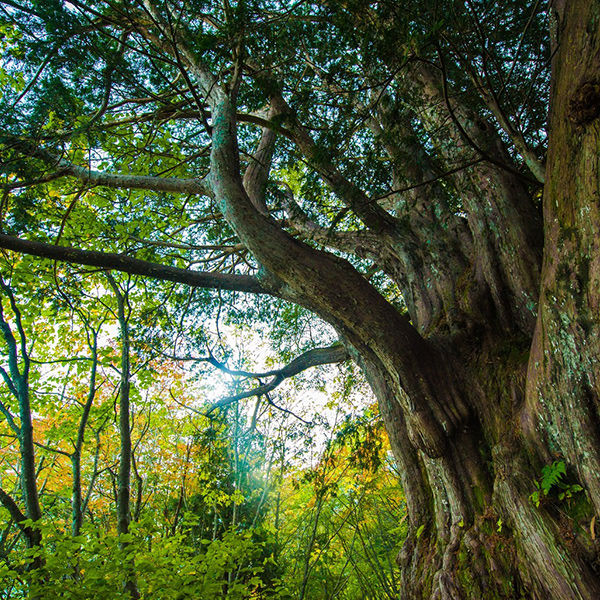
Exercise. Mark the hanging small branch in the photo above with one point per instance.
(311, 358)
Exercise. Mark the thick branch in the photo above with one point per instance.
(373, 215)
(135, 182)
(134, 266)
(354, 242)
(66, 168)
(257, 173)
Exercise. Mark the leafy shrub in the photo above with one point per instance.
(96, 565)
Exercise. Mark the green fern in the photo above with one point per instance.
(551, 481)
(551, 475)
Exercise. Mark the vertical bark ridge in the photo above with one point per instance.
(564, 375)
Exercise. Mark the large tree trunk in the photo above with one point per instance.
(563, 384)
(476, 533)
(476, 408)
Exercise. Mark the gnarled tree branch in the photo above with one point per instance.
(358, 242)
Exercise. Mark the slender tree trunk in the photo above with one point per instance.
(76, 495)
(18, 383)
(124, 477)
(308, 558)
(182, 490)
(28, 468)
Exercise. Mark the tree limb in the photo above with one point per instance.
(3, 408)
(311, 358)
(372, 215)
(257, 172)
(66, 168)
(135, 266)
(285, 410)
(346, 241)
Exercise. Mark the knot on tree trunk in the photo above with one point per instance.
(584, 106)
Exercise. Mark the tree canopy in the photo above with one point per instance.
(412, 186)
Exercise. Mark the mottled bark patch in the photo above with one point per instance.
(584, 105)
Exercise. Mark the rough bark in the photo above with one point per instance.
(564, 375)
(469, 466)
(524, 420)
